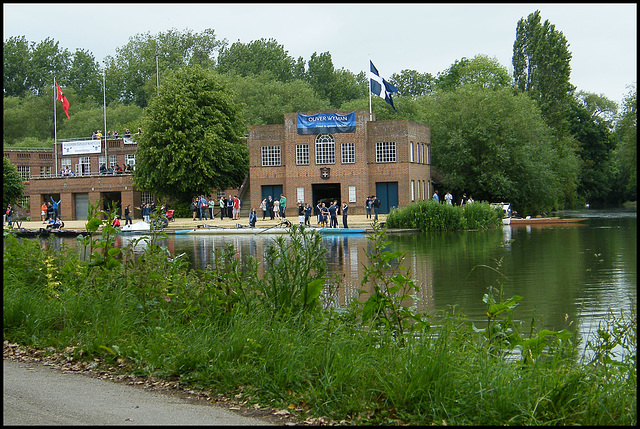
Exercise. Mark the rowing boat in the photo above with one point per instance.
(544, 220)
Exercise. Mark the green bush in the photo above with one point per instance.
(430, 216)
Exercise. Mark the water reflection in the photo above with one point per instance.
(566, 273)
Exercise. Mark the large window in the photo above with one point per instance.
(45, 171)
(300, 194)
(271, 156)
(65, 162)
(386, 152)
(411, 152)
(325, 149)
(302, 154)
(352, 194)
(147, 198)
(130, 159)
(113, 160)
(25, 171)
(348, 153)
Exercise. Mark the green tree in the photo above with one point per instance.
(85, 76)
(12, 184)
(593, 132)
(512, 159)
(29, 116)
(15, 71)
(541, 68)
(411, 83)
(256, 57)
(131, 74)
(626, 153)
(264, 100)
(193, 138)
(480, 70)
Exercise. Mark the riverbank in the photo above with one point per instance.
(354, 221)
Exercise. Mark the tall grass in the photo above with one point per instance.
(230, 330)
(428, 215)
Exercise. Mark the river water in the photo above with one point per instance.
(567, 273)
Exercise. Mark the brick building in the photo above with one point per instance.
(328, 155)
(340, 155)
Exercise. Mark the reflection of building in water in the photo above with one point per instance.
(346, 257)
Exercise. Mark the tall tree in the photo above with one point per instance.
(512, 159)
(626, 154)
(15, 71)
(541, 68)
(85, 76)
(480, 70)
(12, 183)
(255, 57)
(411, 83)
(193, 138)
(590, 128)
(134, 65)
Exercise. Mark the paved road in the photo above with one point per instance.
(35, 394)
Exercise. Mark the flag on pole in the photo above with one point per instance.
(65, 102)
(381, 87)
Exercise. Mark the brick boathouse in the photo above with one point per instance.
(322, 155)
(341, 156)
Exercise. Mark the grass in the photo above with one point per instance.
(230, 330)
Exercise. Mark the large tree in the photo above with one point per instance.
(12, 183)
(256, 57)
(132, 74)
(510, 159)
(591, 127)
(413, 84)
(541, 68)
(480, 70)
(192, 139)
(626, 154)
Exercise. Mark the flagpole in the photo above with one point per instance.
(55, 129)
(104, 104)
(369, 80)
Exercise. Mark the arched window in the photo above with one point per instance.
(325, 149)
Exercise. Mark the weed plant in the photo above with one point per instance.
(264, 332)
(428, 215)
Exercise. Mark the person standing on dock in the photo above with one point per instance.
(345, 208)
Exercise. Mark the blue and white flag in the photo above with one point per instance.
(381, 87)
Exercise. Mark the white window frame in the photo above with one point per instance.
(413, 190)
(348, 153)
(45, 171)
(302, 154)
(352, 194)
(130, 159)
(325, 149)
(411, 152)
(25, 172)
(146, 198)
(271, 156)
(385, 152)
(300, 194)
(64, 163)
(113, 160)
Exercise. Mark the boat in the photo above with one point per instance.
(506, 211)
(138, 227)
(544, 220)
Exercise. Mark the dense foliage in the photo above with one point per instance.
(430, 216)
(264, 335)
(587, 154)
(193, 138)
(12, 183)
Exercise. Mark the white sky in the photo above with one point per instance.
(424, 37)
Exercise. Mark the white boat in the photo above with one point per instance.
(506, 211)
(140, 226)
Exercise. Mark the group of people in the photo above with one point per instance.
(97, 135)
(372, 205)
(448, 198)
(115, 169)
(328, 216)
(229, 207)
(275, 208)
(67, 172)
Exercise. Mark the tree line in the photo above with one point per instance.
(529, 138)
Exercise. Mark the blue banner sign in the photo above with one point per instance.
(321, 123)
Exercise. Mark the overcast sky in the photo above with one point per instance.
(424, 37)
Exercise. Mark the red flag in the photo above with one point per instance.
(65, 102)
